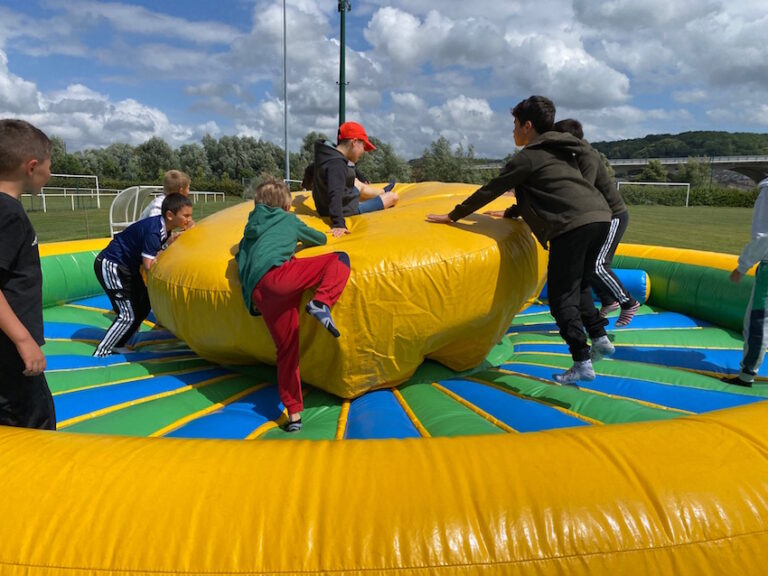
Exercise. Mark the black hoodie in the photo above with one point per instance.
(552, 195)
(333, 184)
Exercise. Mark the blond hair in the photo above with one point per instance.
(272, 192)
(175, 181)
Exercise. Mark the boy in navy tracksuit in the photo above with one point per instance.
(273, 281)
(118, 268)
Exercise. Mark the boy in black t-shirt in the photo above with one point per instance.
(25, 167)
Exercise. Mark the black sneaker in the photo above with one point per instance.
(735, 380)
(293, 426)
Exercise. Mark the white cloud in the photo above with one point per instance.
(17, 96)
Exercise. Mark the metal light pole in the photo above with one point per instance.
(344, 5)
(285, 96)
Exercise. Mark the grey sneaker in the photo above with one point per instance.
(601, 348)
(579, 372)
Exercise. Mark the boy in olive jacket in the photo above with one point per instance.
(273, 281)
(563, 210)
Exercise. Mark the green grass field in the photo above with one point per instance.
(61, 223)
(699, 227)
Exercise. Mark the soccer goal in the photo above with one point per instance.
(76, 187)
(685, 185)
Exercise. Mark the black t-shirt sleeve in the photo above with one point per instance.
(12, 235)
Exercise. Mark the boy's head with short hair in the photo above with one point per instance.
(176, 181)
(570, 126)
(177, 211)
(25, 155)
(538, 110)
(272, 192)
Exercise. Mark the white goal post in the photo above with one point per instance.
(687, 186)
(89, 193)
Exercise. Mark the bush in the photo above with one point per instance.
(635, 194)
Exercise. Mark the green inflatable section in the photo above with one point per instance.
(702, 292)
(67, 277)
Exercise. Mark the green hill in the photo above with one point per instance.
(696, 144)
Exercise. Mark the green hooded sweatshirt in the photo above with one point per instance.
(269, 240)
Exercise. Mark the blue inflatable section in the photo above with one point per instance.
(79, 402)
(378, 414)
(237, 420)
(636, 281)
(696, 400)
(640, 322)
(74, 361)
(522, 415)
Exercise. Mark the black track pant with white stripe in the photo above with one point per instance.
(128, 295)
(607, 285)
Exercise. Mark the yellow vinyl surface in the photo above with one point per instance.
(417, 290)
(685, 496)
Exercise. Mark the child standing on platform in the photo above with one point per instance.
(755, 319)
(118, 269)
(25, 167)
(273, 281)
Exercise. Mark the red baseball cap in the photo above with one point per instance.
(352, 131)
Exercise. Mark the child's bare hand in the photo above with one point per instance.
(736, 276)
(495, 213)
(339, 232)
(32, 356)
(439, 218)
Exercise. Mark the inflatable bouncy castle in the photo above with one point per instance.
(170, 459)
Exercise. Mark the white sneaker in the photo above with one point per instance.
(601, 348)
(579, 372)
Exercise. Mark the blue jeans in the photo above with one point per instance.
(372, 205)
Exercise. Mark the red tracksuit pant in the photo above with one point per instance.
(278, 296)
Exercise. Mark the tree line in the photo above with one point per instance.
(698, 144)
(228, 163)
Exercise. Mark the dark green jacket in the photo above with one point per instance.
(269, 240)
(595, 172)
(552, 195)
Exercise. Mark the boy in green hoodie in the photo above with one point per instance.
(563, 211)
(273, 281)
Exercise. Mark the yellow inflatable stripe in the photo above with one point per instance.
(414, 419)
(148, 361)
(116, 407)
(341, 427)
(681, 255)
(200, 413)
(475, 409)
(73, 246)
(534, 399)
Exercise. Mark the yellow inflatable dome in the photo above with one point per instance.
(417, 290)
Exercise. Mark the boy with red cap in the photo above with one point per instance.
(333, 185)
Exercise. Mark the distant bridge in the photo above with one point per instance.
(755, 167)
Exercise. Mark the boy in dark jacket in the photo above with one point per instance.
(273, 281)
(564, 211)
(333, 183)
(612, 293)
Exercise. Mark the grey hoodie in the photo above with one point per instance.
(333, 185)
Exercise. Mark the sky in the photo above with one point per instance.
(95, 73)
